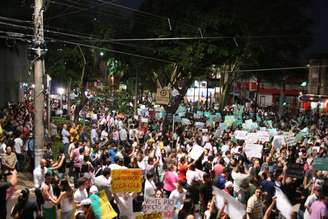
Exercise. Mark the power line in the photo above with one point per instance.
(52, 40)
(110, 50)
(73, 12)
(102, 11)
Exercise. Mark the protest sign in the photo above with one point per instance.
(196, 116)
(163, 96)
(291, 141)
(252, 138)
(263, 136)
(234, 209)
(295, 170)
(199, 124)
(240, 135)
(149, 216)
(207, 114)
(321, 164)
(126, 180)
(283, 204)
(223, 126)
(278, 141)
(185, 121)
(177, 119)
(253, 150)
(272, 132)
(159, 205)
(182, 114)
(229, 120)
(196, 152)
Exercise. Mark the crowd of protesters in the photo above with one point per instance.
(118, 141)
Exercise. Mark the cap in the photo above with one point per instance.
(228, 184)
(86, 202)
(93, 189)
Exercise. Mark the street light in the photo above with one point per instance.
(102, 54)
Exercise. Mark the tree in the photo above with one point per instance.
(257, 34)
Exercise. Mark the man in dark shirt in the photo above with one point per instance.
(8, 179)
(205, 192)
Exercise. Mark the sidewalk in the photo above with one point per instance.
(24, 180)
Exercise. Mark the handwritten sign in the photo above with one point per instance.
(252, 138)
(126, 180)
(263, 136)
(291, 140)
(253, 150)
(196, 152)
(240, 135)
(164, 206)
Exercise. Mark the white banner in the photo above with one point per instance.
(253, 150)
(252, 138)
(283, 204)
(240, 135)
(264, 136)
(158, 205)
(234, 208)
(196, 152)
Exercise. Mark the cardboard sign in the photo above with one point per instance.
(321, 164)
(163, 96)
(196, 152)
(126, 180)
(240, 135)
(234, 208)
(253, 150)
(295, 170)
(263, 136)
(252, 138)
(152, 205)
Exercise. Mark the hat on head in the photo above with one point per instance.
(228, 184)
(86, 202)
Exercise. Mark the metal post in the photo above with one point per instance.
(38, 77)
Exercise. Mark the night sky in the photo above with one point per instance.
(319, 14)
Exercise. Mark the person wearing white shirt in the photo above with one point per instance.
(150, 187)
(94, 135)
(81, 193)
(65, 134)
(125, 205)
(39, 174)
(18, 145)
(178, 195)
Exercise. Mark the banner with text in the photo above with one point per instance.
(126, 180)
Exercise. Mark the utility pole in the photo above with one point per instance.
(38, 48)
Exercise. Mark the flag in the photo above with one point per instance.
(101, 206)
